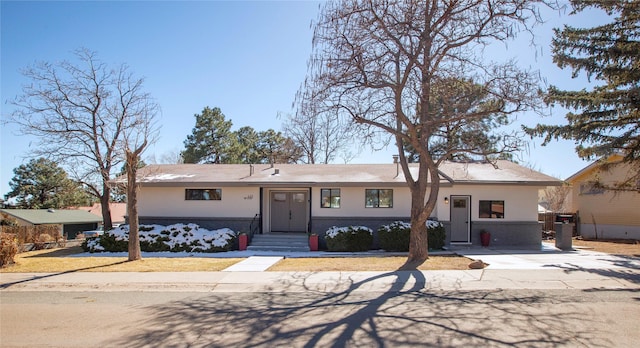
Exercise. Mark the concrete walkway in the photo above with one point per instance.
(254, 264)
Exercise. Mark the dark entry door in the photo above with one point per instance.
(289, 211)
(460, 218)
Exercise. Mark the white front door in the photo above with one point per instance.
(460, 219)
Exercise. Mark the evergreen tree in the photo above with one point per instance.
(42, 184)
(245, 150)
(607, 117)
(273, 147)
(210, 139)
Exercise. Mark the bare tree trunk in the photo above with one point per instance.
(132, 206)
(418, 243)
(107, 221)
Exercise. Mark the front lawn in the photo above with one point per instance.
(355, 264)
(615, 247)
(62, 260)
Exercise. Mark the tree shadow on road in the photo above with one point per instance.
(404, 314)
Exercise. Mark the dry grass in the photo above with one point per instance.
(57, 260)
(616, 247)
(54, 260)
(367, 264)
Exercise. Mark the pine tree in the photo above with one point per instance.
(42, 184)
(607, 117)
(210, 139)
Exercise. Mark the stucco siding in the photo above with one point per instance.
(352, 203)
(240, 202)
(520, 202)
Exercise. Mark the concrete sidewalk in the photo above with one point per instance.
(284, 282)
(547, 268)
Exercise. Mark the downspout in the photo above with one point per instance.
(261, 205)
(309, 224)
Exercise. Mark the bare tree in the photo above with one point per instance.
(555, 198)
(80, 113)
(172, 156)
(383, 63)
(138, 112)
(321, 137)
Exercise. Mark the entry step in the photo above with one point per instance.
(279, 242)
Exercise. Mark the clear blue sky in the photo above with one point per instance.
(246, 57)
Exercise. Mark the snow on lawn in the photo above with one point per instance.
(178, 237)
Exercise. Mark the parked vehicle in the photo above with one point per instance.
(94, 233)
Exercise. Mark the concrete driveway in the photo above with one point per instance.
(548, 257)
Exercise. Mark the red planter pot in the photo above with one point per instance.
(313, 242)
(485, 238)
(243, 241)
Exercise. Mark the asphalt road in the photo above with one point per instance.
(491, 318)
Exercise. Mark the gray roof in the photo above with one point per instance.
(336, 174)
(46, 216)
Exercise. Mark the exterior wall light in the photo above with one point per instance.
(446, 200)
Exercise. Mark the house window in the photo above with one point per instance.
(378, 198)
(591, 188)
(203, 194)
(491, 209)
(330, 198)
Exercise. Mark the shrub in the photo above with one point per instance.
(436, 234)
(155, 238)
(352, 238)
(42, 241)
(107, 242)
(8, 249)
(395, 236)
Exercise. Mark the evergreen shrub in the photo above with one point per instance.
(351, 238)
(395, 236)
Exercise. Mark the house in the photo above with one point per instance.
(70, 222)
(303, 198)
(606, 213)
(118, 211)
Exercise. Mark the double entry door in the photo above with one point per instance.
(289, 211)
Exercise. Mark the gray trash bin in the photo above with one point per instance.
(564, 233)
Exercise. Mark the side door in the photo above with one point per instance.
(460, 219)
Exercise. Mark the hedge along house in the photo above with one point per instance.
(310, 198)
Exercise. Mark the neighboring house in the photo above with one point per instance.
(70, 222)
(303, 198)
(606, 213)
(118, 211)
